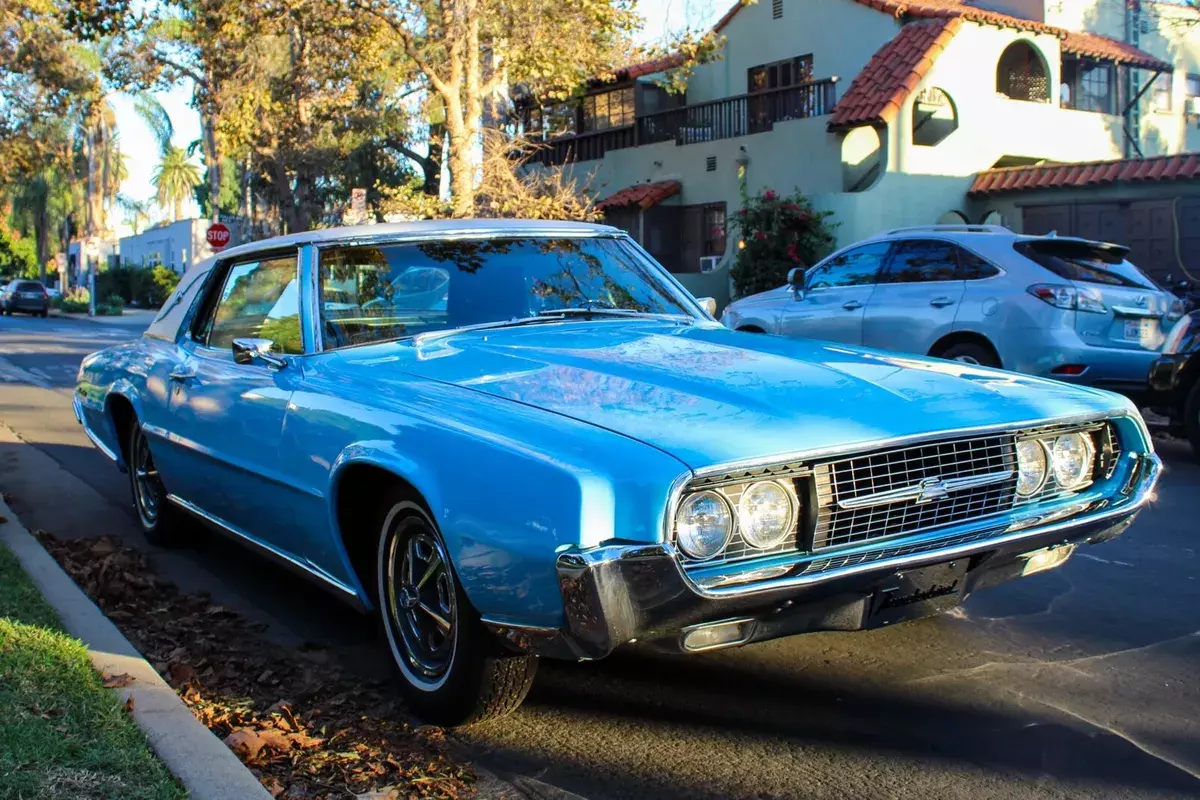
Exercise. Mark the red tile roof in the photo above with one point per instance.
(1184, 166)
(1082, 44)
(893, 73)
(644, 195)
(652, 66)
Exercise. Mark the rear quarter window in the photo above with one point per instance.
(166, 325)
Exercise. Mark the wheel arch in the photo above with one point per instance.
(964, 337)
(358, 479)
(122, 407)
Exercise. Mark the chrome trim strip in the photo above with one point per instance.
(926, 491)
(101, 446)
(269, 550)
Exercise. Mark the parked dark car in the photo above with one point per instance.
(29, 297)
(1175, 379)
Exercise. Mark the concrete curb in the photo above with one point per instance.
(201, 761)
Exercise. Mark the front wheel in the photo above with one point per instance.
(452, 671)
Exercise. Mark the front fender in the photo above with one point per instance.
(509, 486)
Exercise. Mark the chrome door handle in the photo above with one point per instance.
(941, 302)
(852, 305)
(182, 374)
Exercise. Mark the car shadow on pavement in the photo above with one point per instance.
(697, 698)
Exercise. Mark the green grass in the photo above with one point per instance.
(62, 734)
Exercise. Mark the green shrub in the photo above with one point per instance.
(777, 235)
(75, 301)
(143, 286)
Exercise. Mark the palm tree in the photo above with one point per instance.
(175, 177)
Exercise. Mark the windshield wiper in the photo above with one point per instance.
(515, 322)
(605, 311)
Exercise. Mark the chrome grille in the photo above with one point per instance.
(854, 504)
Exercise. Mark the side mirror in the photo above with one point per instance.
(796, 281)
(708, 304)
(248, 351)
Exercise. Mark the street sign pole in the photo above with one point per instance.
(91, 271)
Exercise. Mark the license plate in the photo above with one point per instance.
(1137, 330)
(31, 295)
(922, 592)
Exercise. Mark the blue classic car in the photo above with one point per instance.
(557, 451)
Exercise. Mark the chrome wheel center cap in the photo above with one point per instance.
(408, 597)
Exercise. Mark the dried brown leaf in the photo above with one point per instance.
(117, 681)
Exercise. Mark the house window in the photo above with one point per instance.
(606, 110)
(1193, 91)
(1022, 74)
(1164, 86)
(712, 236)
(1088, 85)
(701, 233)
(779, 74)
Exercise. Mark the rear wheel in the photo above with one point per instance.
(1191, 418)
(452, 671)
(161, 523)
(971, 353)
(45, 313)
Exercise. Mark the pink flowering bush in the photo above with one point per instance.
(777, 234)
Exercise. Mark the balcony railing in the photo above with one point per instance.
(704, 122)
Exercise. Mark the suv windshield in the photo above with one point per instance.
(383, 292)
(1084, 262)
(29, 286)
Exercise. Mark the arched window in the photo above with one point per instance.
(1022, 74)
(934, 117)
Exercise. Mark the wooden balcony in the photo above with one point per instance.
(726, 118)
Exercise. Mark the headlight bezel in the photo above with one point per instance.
(1041, 447)
(788, 527)
(1087, 465)
(677, 528)
(737, 545)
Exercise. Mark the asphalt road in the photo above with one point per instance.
(1079, 683)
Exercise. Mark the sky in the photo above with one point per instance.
(141, 148)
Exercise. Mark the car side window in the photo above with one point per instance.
(921, 261)
(973, 268)
(257, 300)
(852, 268)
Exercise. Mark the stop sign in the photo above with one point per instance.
(217, 236)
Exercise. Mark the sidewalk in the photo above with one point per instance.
(131, 317)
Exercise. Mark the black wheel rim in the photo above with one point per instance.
(421, 603)
(146, 485)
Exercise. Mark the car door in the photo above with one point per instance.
(835, 293)
(227, 419)
(916, 297)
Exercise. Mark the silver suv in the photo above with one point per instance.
(1053, 306)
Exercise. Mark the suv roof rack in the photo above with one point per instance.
(957, 228)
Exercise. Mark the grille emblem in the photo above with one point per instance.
(928, 490)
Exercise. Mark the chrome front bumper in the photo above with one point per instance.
(623, 594)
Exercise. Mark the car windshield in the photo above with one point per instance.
(1085, 262)
(384, 292)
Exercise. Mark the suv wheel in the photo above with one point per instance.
(452, 671)
(970, 353)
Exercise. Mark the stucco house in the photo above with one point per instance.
(905, 112)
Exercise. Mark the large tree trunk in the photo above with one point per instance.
(432, 166)
(212, 159)
(41, 231)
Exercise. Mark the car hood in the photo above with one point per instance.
(709, 395)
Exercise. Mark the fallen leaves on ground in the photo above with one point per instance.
(117, 681)
(303, 727)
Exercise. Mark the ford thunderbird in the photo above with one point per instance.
(520, 440)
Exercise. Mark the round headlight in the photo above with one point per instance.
(1072, 456)
(1031, 467)
(765, 515)
(703, 525)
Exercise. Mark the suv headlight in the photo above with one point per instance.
(703, 525)
(765, 515)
